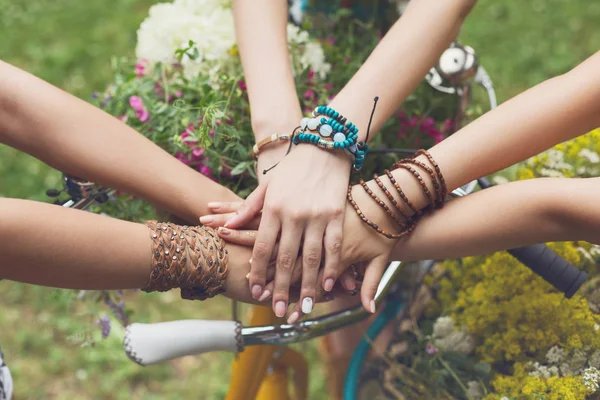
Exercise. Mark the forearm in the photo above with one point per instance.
(75, 137)
(552, 112)
(48, 245)
(507, 216)
(261, 32)
(400, 61)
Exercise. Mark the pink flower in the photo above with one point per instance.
(211, 133)
(123, 118)
(197, 154)
(206, 171)
(427, 124)
(331, 41)
(178, 93)
(136, 103)
(328, 86)
(218, 122)
(311, 74)
(242, 85)
(401, 115)
(309, 94)
(143, 115)
(158, 89)
(140, 67)
(448, 126)
(413, 122)
(431, 349)
(182, 157)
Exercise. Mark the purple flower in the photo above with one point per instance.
(431, 349)
(311, 74)
(328, 86)
(242, 85)
(197, 154)
(206, 171)
(448, 126)
(427, 124)
(118, 310)
(181, 156)
(309, 94)
(104, 323)
(413, 122)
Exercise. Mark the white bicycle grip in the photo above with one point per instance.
(148, 344)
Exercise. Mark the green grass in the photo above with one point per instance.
(69, 43)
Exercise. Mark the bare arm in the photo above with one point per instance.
(401, 60)
(75, 137)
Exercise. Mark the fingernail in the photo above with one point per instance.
(248, 276)
(372, 306)
(224, 231)
(250, 260)
(349, 284)
(214, 205)
(307, 305)
(266, 294)
(294, 317)
(328, 286)
(207, 219)
(280, 309)
(256, 291)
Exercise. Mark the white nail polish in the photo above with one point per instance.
(307, 305)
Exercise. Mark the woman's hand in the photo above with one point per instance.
(361, 245)
(302, 205)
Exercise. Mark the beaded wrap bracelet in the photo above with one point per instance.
(406, 223)
(276, 137)
(334, 133)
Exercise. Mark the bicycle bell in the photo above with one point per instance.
(457, 66)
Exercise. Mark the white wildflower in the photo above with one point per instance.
(575, 364)
(555, 355)
(595, 251)
(555, 156)
(594, 360)
(499, 180)
(591, 378)
(474, 391)
(443, 327)
(504, 398)
(542, 371)
(551, 173)
(596, 327)
(589, 155)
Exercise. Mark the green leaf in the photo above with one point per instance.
(240, 168)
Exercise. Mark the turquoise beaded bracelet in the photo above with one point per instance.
(335, 133)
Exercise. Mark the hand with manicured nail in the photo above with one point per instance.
(361, 245)
(302, 211)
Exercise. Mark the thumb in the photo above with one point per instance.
(249, 209)
(373, 274)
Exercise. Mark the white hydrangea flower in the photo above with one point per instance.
(209, 24)
(591, 378)
(589, 155)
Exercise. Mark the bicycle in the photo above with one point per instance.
(261, 369)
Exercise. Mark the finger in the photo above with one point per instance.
(373, 275)
(333, 244)
(348, 282)
(250, 209)
(216, 220)
(261, 253)
(224, 207)
(311, 261)
(291, 234)
(241, 237)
